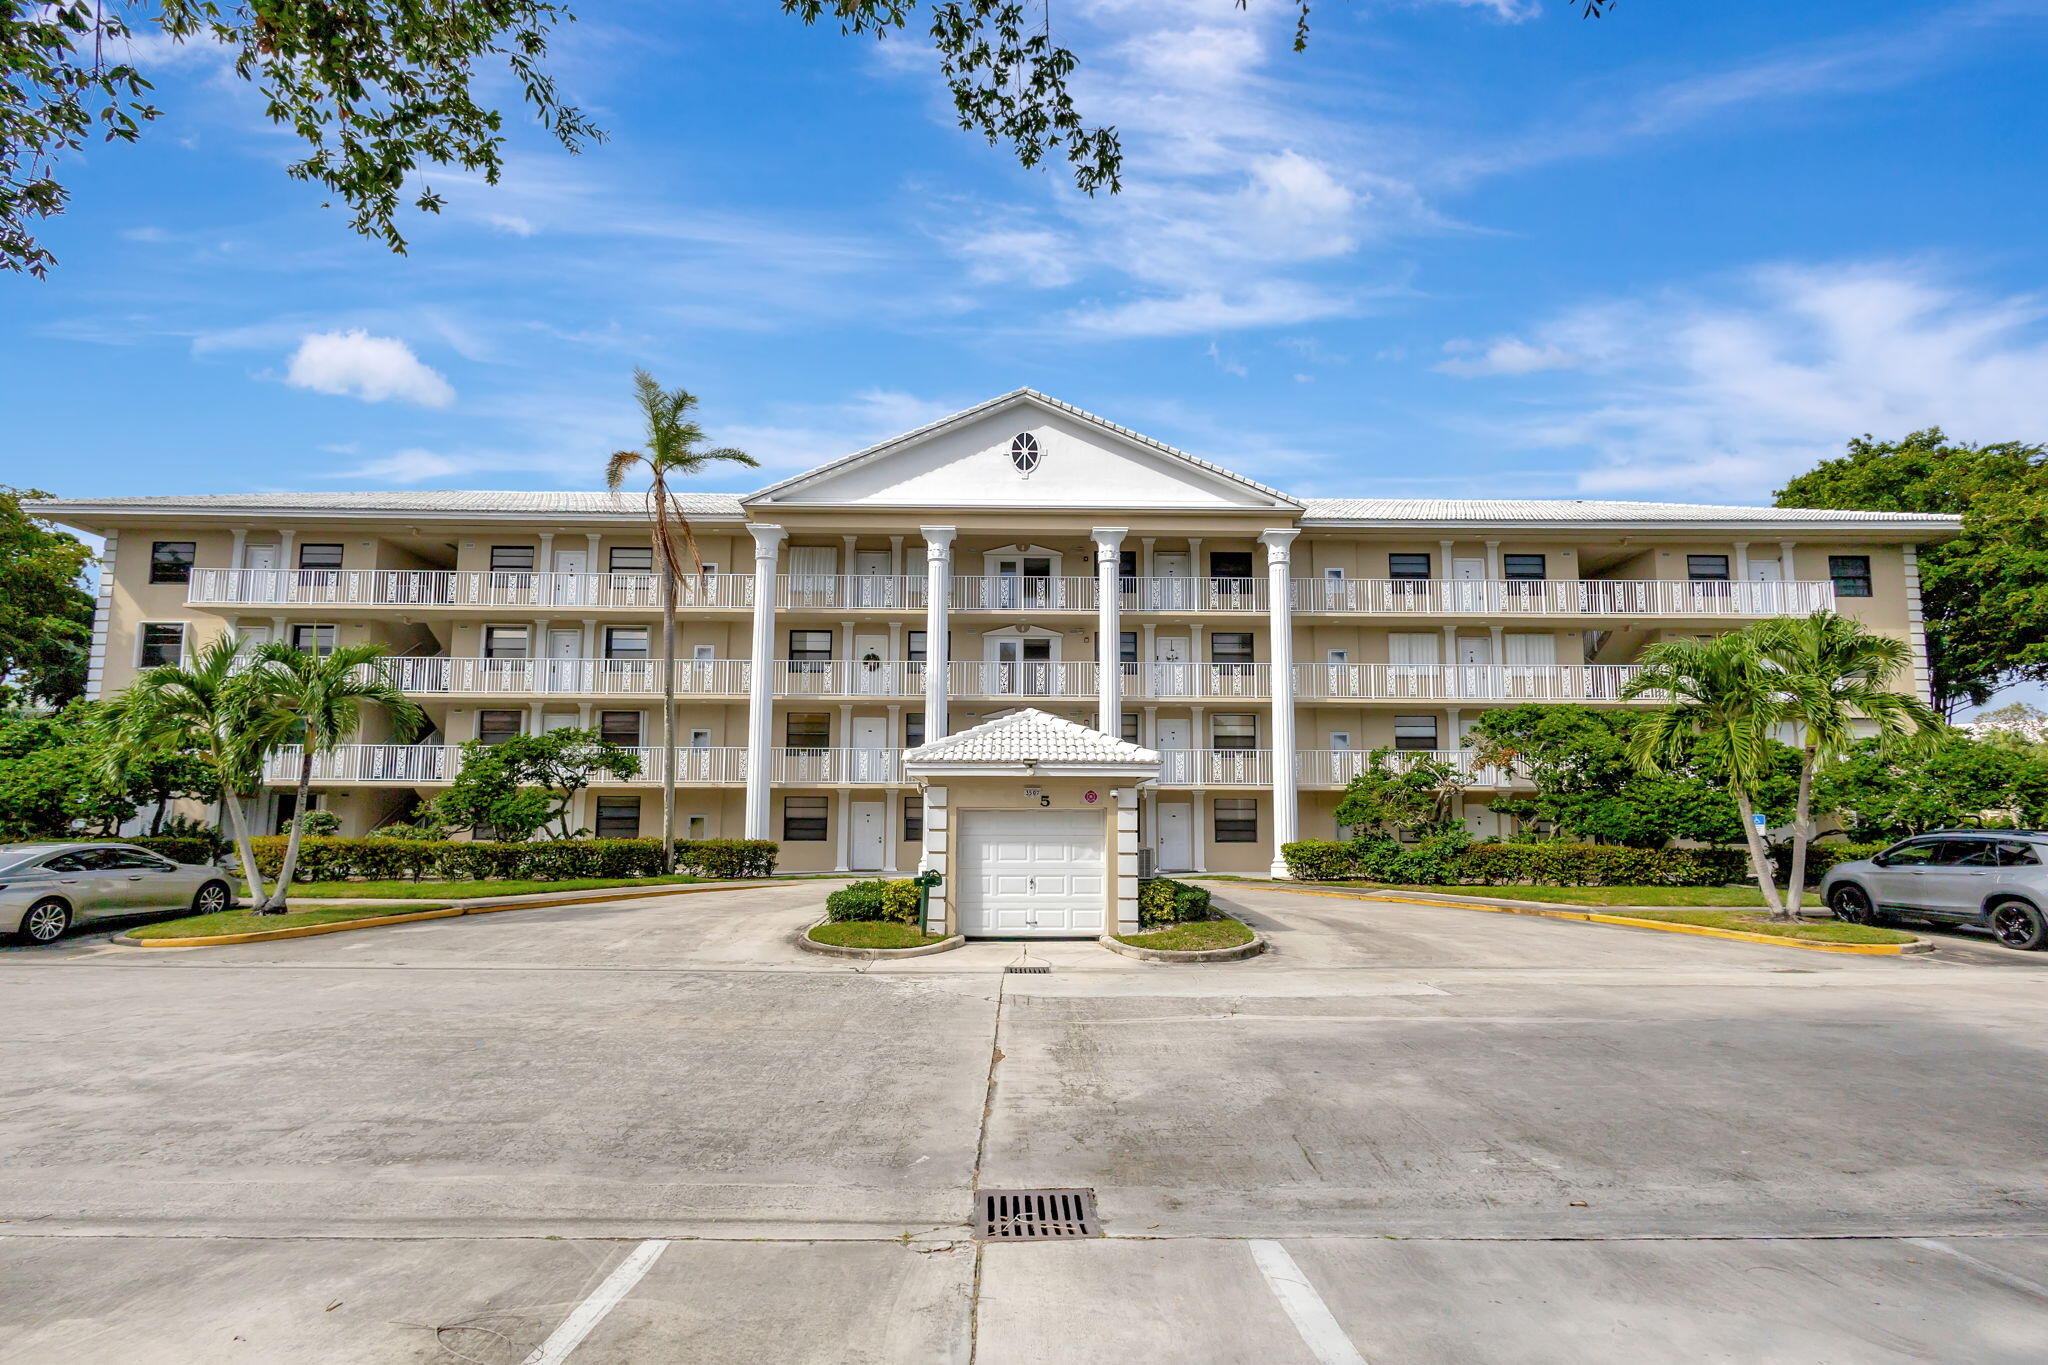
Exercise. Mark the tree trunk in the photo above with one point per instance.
(1802, 830)
(668, 715)
(276, 904)
(239, 825)
(1759, 863)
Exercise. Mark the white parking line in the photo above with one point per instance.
(1312, 1318)
(592, 1310)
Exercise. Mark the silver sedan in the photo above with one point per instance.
(46, 888)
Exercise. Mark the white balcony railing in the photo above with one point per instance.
(445, 588)
(832, 767)
(1560, 597)
(427, 764)
(1022, 592)
(1464, 682)
(1167, 681)
(847, 678)
(1027, 678)
(1194, 594)
(850, 592)
(1336, 767)
(1215, 767)
(553, 677)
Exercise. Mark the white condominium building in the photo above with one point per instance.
(1136, 659)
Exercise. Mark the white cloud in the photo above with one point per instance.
(374, 369)
(412, 466)
(1716, 396)
(1225, 363)
(516, 225)
(1507, 355)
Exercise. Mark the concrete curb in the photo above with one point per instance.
(802, 938)
(453, 911)
(1237, 954)
(1540, 911)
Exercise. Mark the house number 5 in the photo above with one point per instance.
(1045, 800)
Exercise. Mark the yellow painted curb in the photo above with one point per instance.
(449, 912)
(1591, 917)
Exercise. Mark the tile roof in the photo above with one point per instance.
(1031, 736)
(424, 502)
(1509, 511)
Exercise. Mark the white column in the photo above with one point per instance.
(761, 685)
(938, 579)
(1125, 887)
(103, 621)
(545, 560)
(1280, 620)
(842, 823)
(235, 556)
(1109, 679)
(1198, 841)
(1493, 568)
(936, 859)
(1742, 562)
(892, 815)
(1916, 625)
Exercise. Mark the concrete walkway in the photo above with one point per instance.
(656, 1131)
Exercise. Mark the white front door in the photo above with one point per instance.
(1475, 654)
(557, 720)
(873, 674)
(872, 584)
(1171, 676)
(1765, 570)
(260, 584)
(565, 660)
(1176, 836)
(869, 761)
(1171, 585)
(870, 827)
(1469, 578)
(1032, 873)
(1176, 737)
(570, 585)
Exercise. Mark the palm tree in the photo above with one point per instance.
(1831, 672)
(205, 707)
(673, 452)
(316, 700)
(1722, 698)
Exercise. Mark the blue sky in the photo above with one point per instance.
(1458, 247)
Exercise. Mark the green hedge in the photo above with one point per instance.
(891, 902)
(1821, 857)
(1551, 863)
(182, 848)
(545, 860)
(1165, 901)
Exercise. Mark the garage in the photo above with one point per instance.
(1032, 873)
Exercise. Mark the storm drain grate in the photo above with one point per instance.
(1034, 1215)
(1028, 971)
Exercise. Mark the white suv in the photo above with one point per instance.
(1993, 879)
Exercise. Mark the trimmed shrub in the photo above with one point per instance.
(891, 902)
(181, 848)
(1821, 857)
(1165, 901)
(1549, 863)
(544, 860)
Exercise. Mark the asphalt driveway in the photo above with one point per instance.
(1408, 1133)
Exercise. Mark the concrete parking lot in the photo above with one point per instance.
(655, 1131)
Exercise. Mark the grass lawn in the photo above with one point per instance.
(1822, 931)
(465, 890)
(1737, 896)
(859, 933)
(243, 922)
(1193, 937)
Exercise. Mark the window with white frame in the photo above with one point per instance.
(313, 639)
(1234, 732)
(809, 730)
(632, 559)
(1415, 732)
(913, 819)
(507, 642)
(162, 644)
(619, 727)
(1408, 566)
(512, 559)
(625, 642)
(495, 727)
(804, 819)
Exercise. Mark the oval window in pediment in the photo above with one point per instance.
(1024, 452)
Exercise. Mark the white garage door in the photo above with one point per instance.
(1024, 872)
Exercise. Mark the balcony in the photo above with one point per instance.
(1215, 767)
(1336, 767)
(838, 767)
(1558, 597)
(1021, 592)
(1465, 682)
(446, 588)
(850, 592)
(444, 676)
(432, 764)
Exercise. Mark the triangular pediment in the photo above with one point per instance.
(1033, 738)
(966, 460)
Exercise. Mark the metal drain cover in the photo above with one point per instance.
(1027, 971)
(1034, 1215)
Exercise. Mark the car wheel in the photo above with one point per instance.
(2017, 924)
(211, 899)
(46, 921)
(1851, 906)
